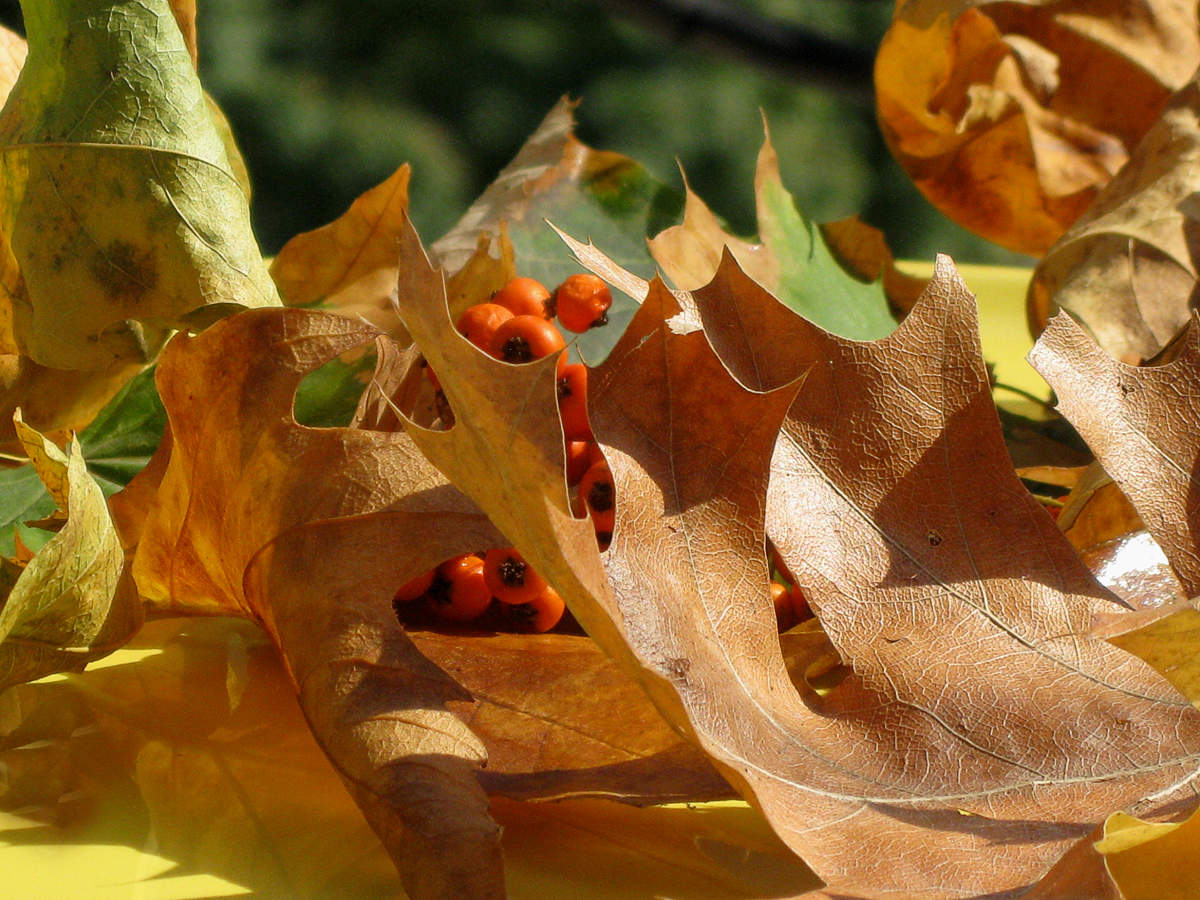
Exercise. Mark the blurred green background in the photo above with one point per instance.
(327, 99)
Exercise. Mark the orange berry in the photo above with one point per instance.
(596, 488)
(479, 322)
(572, 403)
(510, 578)
(577, 460)
(523, 339)
(783, 605)
(603, 521)
(412, 590)
(581, 302)
(461, 592)
(595, 454)
(541, 613)
(525, 297)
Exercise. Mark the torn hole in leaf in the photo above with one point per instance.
(403, 382)
(328, 396)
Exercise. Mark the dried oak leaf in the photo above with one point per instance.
(925, 772)
(793, 258)
(120, 205)
(1011, 116)
(1126, 268)
(982, 731)
(1136, 421)
(309, 531)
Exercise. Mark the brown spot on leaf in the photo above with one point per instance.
(126, 272)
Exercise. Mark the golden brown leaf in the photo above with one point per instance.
(1010, 117)
(1137, 422)
(349, 265)
(1126, 267)
(934, 573)
(1151, 860)
(310, 531)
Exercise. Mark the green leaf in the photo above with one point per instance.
(328, 396)
(811, 281)
(116, 446)
(791, 259)
(117, 197)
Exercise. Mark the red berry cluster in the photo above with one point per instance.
(516, 325)
(466, 587)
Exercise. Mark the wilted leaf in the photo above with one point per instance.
(1126, 268)
(310, 531)
(560, 719)
(793, 260)
(935, 573)
(115, 447)
(120, 206)
(1150, 860)
(349, 265)
(1138, 422)
(73, 602)
(1011, 116)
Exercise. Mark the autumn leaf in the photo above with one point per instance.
(120, 206)
(931, 609)
(1011, 117)
(73, 601)
(1147, 859)
(1131, 418)
(261, 517)
(1126, 268)
(349, 265)
(792, 259)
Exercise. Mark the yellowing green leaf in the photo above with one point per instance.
(119, 203)
(73, 602)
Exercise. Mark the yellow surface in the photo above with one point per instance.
(1000, 291)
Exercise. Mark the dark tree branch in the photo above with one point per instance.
(797, 52)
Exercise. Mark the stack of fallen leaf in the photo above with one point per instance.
(972, 711)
